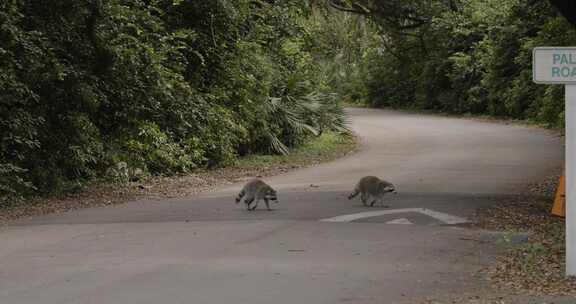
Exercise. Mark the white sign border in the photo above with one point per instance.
(534, 63)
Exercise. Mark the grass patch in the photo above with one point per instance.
(326, 147)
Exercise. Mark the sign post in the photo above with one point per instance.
(570, 115)
(557, 65)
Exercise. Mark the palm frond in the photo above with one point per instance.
(299, 112)
(277, 146)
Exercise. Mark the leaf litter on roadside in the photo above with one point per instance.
(536, 266)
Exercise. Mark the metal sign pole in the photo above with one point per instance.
(570, 116)
(557, 65)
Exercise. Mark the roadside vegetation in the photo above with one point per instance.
(93, 90)
(471, 57)
(326, 147)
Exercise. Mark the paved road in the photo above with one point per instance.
(209, 250)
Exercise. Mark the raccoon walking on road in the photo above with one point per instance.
(254, 191)
(372, 189)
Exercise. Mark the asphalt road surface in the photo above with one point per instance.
(316, 246)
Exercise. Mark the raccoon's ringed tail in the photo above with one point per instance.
(240, 196)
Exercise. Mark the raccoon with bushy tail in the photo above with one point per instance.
(372, 189)
(254, 191)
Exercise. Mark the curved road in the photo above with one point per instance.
(314, 247)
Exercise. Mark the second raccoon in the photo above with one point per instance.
(372, 188)
(254, 191)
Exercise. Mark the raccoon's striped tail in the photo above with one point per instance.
(240, 196)
(353, 194)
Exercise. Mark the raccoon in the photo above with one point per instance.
(372, 188)
(256, 190)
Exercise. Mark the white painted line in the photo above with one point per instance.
(443, 217)
(400, 221)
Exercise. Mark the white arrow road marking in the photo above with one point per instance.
(443, 217)
(400, 221)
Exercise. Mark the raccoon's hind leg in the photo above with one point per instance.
(374, 200)
(255, 205)
(364, 198)
(248, 201)
(381, 200)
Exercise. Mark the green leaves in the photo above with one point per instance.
(472, 57)
(165, 86)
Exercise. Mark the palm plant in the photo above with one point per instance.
(298, 114)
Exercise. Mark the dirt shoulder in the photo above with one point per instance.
(327, 147)
(530, 269)
(537, 265)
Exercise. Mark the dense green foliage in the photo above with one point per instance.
(166, 86)
(91, 87)
(466, 56)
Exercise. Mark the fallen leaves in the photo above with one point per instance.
(536, 266)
